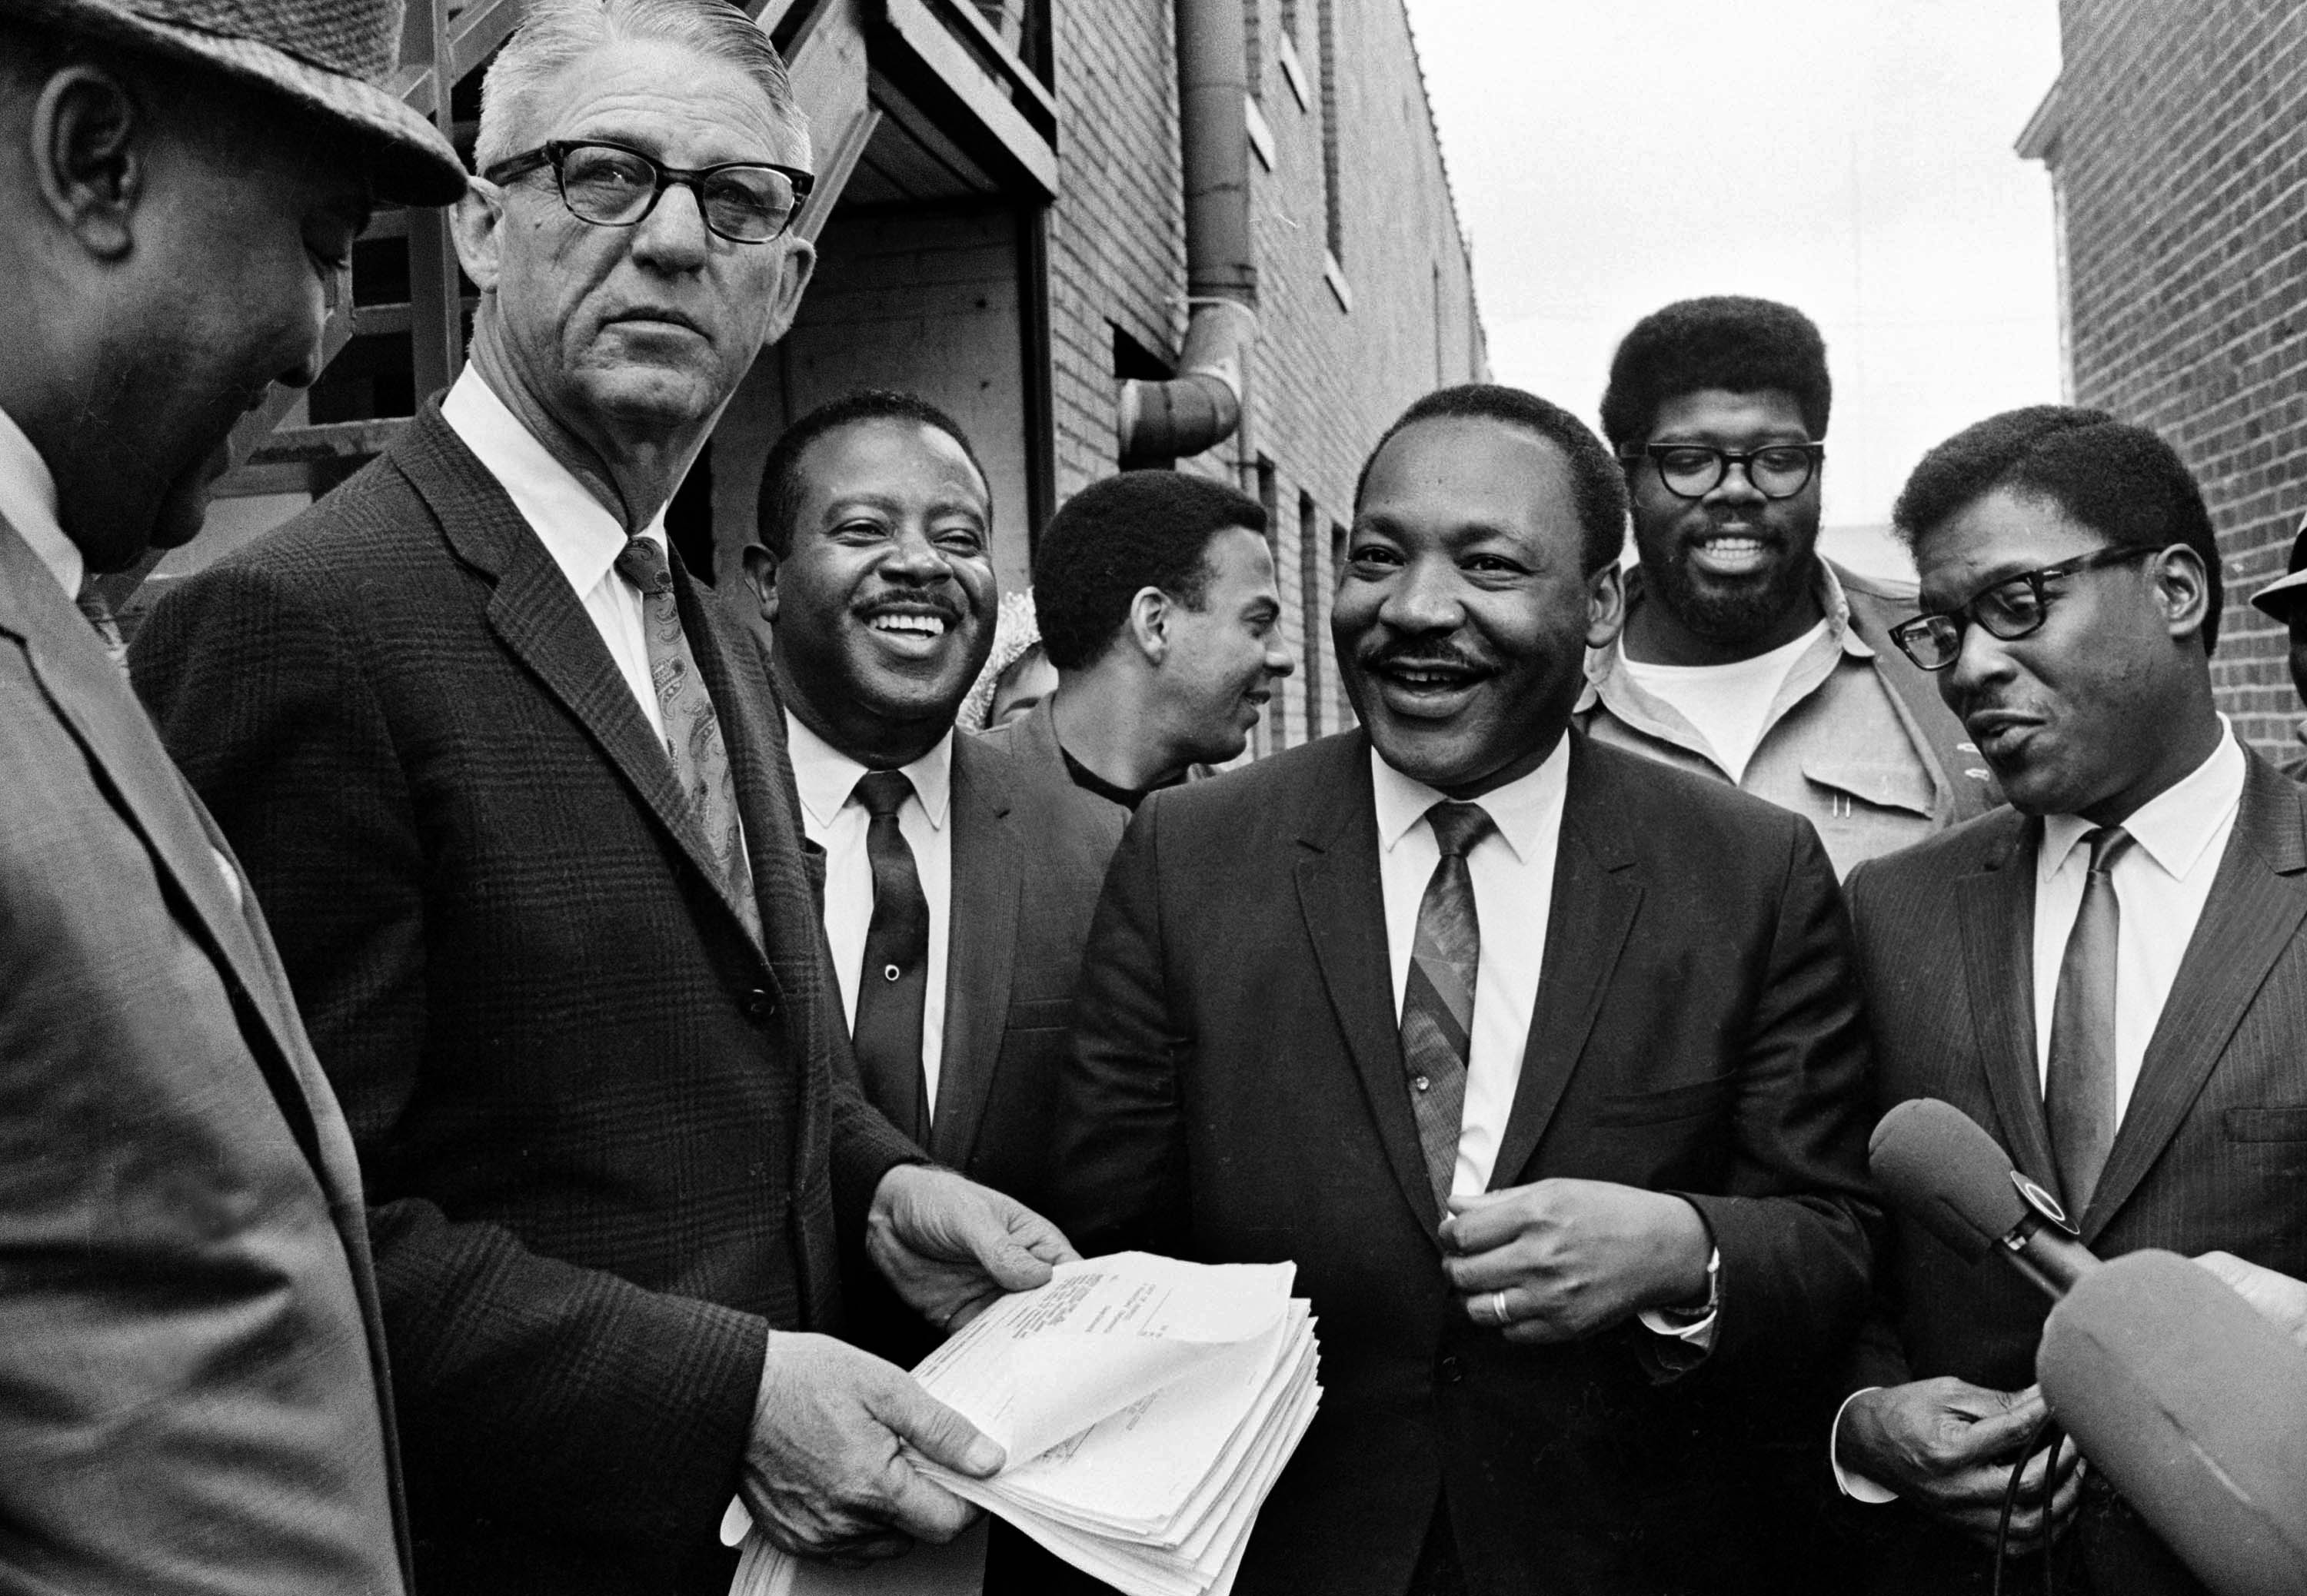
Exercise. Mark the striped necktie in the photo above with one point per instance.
(1437, 1002)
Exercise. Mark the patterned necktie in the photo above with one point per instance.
(108, 629)
(895, 980)
(1437, 1002)
(2079, 1088)
(693, 733)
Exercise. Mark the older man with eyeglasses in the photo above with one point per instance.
(1747, 657)
(510, 784)
(2107, 976)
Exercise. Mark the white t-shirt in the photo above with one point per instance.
(1730, 704)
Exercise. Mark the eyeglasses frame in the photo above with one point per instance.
(1635, 454)
(1963, 619)
(553, 152)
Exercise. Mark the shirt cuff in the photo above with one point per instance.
(1694, 1327)
(1857, 1486)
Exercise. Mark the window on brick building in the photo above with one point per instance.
(1310, 604)
(1326, 46)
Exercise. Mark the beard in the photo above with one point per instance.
(1737, 611)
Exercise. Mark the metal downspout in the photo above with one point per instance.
(1201, 406)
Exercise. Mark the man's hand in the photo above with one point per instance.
(1948, 1447)
(2279, 1299)
(1573, 1256)
(823, 1476)
(952, 1247)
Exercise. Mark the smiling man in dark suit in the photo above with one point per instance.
(977, 888)
(504, 776)
(1539, 1059)
(2106, 975)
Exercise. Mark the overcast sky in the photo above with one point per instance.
(1852, 157)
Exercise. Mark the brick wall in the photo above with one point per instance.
(1339, 351)
(2180, 152)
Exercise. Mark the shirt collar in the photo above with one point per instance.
(28, 502)
(1524, 810)
(2174, 826)
(576, 528)
(826, 776)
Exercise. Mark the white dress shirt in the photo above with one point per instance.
(2161, 883)
(834, 820)
(28, 502)
(1512, 872)
(576, 528)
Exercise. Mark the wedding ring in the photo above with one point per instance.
(1499, 1306)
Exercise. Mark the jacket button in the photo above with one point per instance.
(1451, 1369)
(759, 1004)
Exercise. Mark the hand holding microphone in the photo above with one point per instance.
(2192, 1405)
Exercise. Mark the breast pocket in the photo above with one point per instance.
(1900, 786)
(2286, 1122)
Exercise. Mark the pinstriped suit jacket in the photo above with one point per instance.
(2212, 1150)
(603, 1130)
(192, 1364)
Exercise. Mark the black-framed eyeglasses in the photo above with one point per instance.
(2010, 608)
(612, 185)
(1694, 470)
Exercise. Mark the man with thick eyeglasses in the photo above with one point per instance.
(1745, 656)
(511, 784)
(2107, 976)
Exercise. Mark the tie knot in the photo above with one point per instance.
(642, 564)
(1457, 827)
(883, 792)
(2106, 845)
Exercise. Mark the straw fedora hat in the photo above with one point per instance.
(331, 58)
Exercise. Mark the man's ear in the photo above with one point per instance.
(1149, 623)
(800, 266)
(1605, 606)
(762, 577)
(2184, 588)
(91, 157)
(474, 222)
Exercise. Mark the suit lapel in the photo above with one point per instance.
(988, 873)
(104, 716)
(1996, 907)
(537, 616)
(2257, 902)
(1344, 908)
(1593, 911)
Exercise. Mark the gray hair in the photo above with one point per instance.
(556, 34)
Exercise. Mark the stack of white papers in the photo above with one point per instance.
(1148, 1406)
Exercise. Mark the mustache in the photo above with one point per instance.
(1416, 656)
(925, 598)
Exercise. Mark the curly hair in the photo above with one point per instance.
(780, 500)
(1725, 341)
(2121, 481)
(1138, 530)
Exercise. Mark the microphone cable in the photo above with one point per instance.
(2045, 1437)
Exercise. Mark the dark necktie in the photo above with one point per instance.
(894, 979)
(693, 733)
(2079, 1086)
(1437, 1002)
(107, 630)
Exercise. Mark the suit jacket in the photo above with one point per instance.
(1030, 850)
(1237, 1094)
(2212, 1149)
(192, 1380)
(603, 1127)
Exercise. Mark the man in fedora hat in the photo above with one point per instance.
(192, 1364)
(504, 774)
(2285, 599)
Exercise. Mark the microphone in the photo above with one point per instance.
(2195, 1408)
(1936, 1164)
